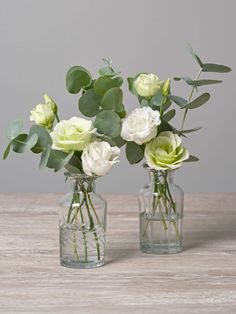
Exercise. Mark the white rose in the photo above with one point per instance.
(43, 115)
(140, 126)
(98, 158)
(72, 134)
(147, 85)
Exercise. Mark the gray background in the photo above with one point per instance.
(40, 40)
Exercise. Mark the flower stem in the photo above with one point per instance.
(189, 99)
(92, 226)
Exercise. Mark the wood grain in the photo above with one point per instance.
(201, 279)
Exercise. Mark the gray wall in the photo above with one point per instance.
(40, 40)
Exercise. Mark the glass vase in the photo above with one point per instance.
(82, 225)
(161, 214)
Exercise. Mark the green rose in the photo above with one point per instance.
(72, 134)
(43, 115)
(147, 85)
(165, 152)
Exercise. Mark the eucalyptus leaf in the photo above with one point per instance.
(212, 67)
(119, 141)
(113, 100)
(122, 114)
(6, 152)
(14, 129)
(44, 138)
(76, 78)
(169, 115)
(157, 100)
(131, 85)
(108, 123)
(104, 83)
(144, 103)
(24, 142)
(195, 56)
(44, 157)
(89, 103)
(58, 159)
(202, 82)
(134, 152)
(63, 162)
(108, 71)
(166, 105)
(189, 130)
(191, 159)
(197, 102)
(75, 164)
(178, 100)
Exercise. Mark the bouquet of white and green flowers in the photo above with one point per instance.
(151, 136)
(85, 149)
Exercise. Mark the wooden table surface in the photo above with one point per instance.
(201, 279)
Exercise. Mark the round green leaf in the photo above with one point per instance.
(113, 100)
(108, 123)
(44, 138)
(134, 152)
(76, 78)
(24, 142)
(102, 84)
(14, 129)
(89, 103)
(44, 157)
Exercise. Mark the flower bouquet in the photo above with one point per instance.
(86, 150)
(150, 134)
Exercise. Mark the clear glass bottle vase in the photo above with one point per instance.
(82, 225)
(161, 214)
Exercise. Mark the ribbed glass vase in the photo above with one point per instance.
(82, 225)
(161, 214)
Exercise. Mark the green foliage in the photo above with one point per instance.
(169, 115)
(192, 159)
(119, 141)
(178, 100)
(104, 83)
(189, 130)
(195, 56)
(7, 151)
(24, 142)
(134, 152)
(44, 139)
(14, 129)
(212, 67)
(44, 157)
(58, 159)
(197, 102)
(113, 100)
(76, 78)
(108, 123)
(89, 103)
(108, 71)
(202, 82)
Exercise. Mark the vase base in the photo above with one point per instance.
(161, 249)
(81, 265)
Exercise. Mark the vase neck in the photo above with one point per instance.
(83, 184)
(160, 176)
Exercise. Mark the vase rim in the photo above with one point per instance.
(146, 166)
